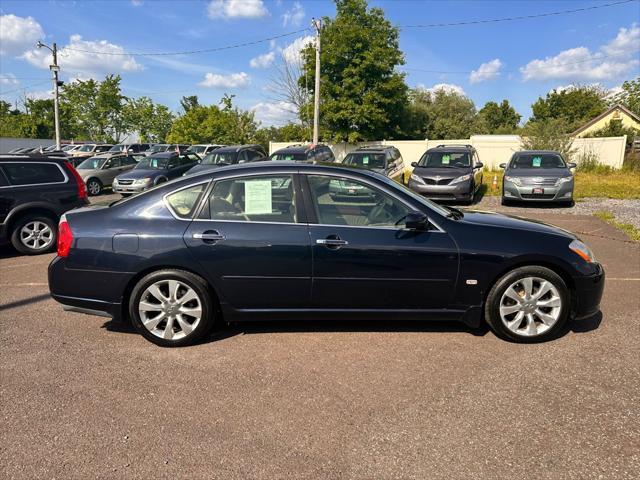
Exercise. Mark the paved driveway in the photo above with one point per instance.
(84, 398)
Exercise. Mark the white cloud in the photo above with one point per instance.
(274, 113)
(486, 71)
(445, 87)
(581, 64)
(236, 9)
(263, 61)
(8, 79)
(18, 34)
(136, 3)
(291, 52)
(234, 80)
(76, 60)
(294, 16)
(40, 95)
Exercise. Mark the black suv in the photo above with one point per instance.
(230, 156)
(35, 191)
(448, 172)
(306, 153)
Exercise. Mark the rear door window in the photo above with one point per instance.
(184, 202)
(33, 173)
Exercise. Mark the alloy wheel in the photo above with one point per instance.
(530, 306)
(36, 235)
(170, 309)
(94, 188)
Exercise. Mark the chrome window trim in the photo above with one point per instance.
(170, 208)
(64, 174)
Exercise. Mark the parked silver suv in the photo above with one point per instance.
(537, 176)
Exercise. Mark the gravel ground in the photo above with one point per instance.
(625, 211)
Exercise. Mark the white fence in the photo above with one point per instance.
(492, 149)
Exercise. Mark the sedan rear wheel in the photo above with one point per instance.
(529, 304)
(171, 308)
(94, 186)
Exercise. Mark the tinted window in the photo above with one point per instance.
(365, 160)
(31, 173)
(445, 159)
(342, 201)
(184, 202)
(152, 163)
(537, 160)
(288, 156)
(113, 163)
(220, 158)
(254, 155)
(264, 198)
(3, 180)
(129, 160)
(93, 163)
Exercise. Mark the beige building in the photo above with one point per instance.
(617, 112)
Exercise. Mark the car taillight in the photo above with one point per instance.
(65, 238)
(82, 188)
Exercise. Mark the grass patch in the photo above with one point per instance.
(630, 230)
(604, 184)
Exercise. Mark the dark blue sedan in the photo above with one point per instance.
(153, 170)
(268, 240)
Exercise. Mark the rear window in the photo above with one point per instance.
(33, 173)
(288, 156)
(537, 160)
(365, 160)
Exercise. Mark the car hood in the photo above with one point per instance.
(441, 171)
(538, 172)
(478, 217)
(136, 173)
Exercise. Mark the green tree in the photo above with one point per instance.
(362, 95)
(547, 134)
(189, 102)
(630, 95)
(575, 106)
(501, 118)
(151, 121)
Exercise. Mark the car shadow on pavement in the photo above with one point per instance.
(24, 301)
(7, 251)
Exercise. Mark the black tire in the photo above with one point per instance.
(207, 305)
(160, 180)
(492, 305)
(18, 241)
(94, 187)
(505, 202)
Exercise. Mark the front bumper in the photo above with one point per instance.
(130, 189)
(557, 193)
(457, 191)
(588, 291)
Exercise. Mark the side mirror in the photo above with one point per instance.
(572, 165)
(414, 164)
(479, 165)
(416, 221)
(503, 165)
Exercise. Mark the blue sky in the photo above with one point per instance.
(517, 60)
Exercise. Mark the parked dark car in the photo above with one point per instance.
(448, 172)
(34, 192)
(304, 153)
(166, 147)
(265, 240)
(537, 176)
(130, 147)
(230, 155)
(153, 170)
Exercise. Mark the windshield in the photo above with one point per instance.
(365, 160)
(197, 149)
(444, 159)
(537, 160)
(158, 148)
(288, 156)
(117, 148)
(152, 163)
(222, 158)
(93, 163)
(86, 148)
(68, 147)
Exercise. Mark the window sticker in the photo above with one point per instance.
(288, 157)
(445, 159)
(257, 197)
(537, 161)
(365, 160)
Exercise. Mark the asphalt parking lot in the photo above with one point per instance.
(83, 397)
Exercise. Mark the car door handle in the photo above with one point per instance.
(208, 236)
(332, 242)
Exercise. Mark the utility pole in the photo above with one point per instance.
(316, 100)
(56, 83)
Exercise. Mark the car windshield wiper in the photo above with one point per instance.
(454, 212)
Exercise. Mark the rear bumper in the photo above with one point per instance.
(588, 293)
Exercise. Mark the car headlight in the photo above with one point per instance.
(582, 250)
(416, 179)
(514, 180)
(562, 180)
(142, 181)
(461, 179)
(115, 181)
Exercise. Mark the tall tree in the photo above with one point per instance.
(501, 118)
(290, 87)
(151, 121)
(574, 105)
(547, 134)
(189, 102)
(362, 94)
(630, 95)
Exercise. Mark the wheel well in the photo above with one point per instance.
(28, 212)
(136, 278)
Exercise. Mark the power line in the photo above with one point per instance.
(188, 52)
(520, 17)
(24, 87)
